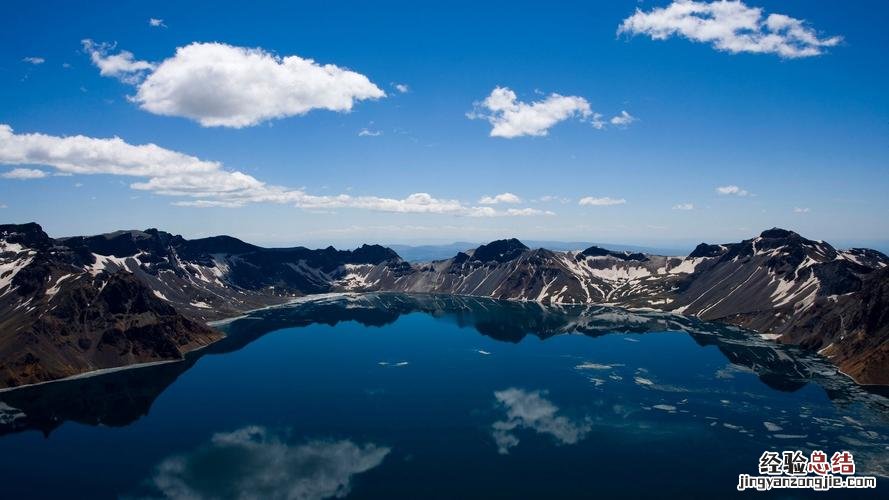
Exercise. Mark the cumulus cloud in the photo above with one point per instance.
(220, 85)
(500, 198)
(401, 87)
(601, 202)
(254, 463)
(684, 206)
(729, 26)
(122, 65)
(156, 23)
(365, 132)
(510, 117)
(732, 190)
(23, 174)
(798, 210)
(34, 60)
(202, 183)
(531, 410)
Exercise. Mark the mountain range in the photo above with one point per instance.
(80, 304)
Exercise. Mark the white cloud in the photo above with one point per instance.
(369, 133)
(623, 119)
(732, 190)
(550, 198)
(202, 183)
(220, 85)
(23, 174)
(34, 60)
(684, 206)
(512, 118)
(500, 198)
(122, 65)
(601, 202)
(253, 463)
(156, 23)
(531, 410)
(729, 26)
(401, 87)
(597, 121)
(798, 210)
(523, 212)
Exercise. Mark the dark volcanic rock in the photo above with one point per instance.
(96, 325)
(77, 304)
(499, 251)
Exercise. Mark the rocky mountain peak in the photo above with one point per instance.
(29, 235)
(777, 232)
(373, 254)
(499, 250)
(706, 250)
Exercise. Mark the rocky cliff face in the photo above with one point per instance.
(77, 304)
(74, 305)
(788, 288)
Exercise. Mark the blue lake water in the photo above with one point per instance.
(394, 396)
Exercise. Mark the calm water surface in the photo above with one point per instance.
(382, 396)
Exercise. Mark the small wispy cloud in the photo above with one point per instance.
(732, 190)
(402, 87)
(500, 198)
(684, 206)
(156, 23)
(731, 27)
(24, 174)
(623, 119)
(550, 198)
(369, 133)
(525, 212)
(799, 210)
(601, 202)
(34, 60)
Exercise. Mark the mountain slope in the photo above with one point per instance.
(57, 304)
(788, 288)
(80, 304)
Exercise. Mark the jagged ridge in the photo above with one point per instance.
(780, 284)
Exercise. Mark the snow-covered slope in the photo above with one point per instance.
(787, 287)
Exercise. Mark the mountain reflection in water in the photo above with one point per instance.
(120, 398)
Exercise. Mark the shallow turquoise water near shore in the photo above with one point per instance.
(384, 396)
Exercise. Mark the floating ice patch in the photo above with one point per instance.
(486, 353)
(772, 427)
(669, 408)
(594, 366)
(643, 381)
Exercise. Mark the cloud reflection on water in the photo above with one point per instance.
(531, 410)
(252, 462)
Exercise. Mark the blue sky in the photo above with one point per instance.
(807, 138)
